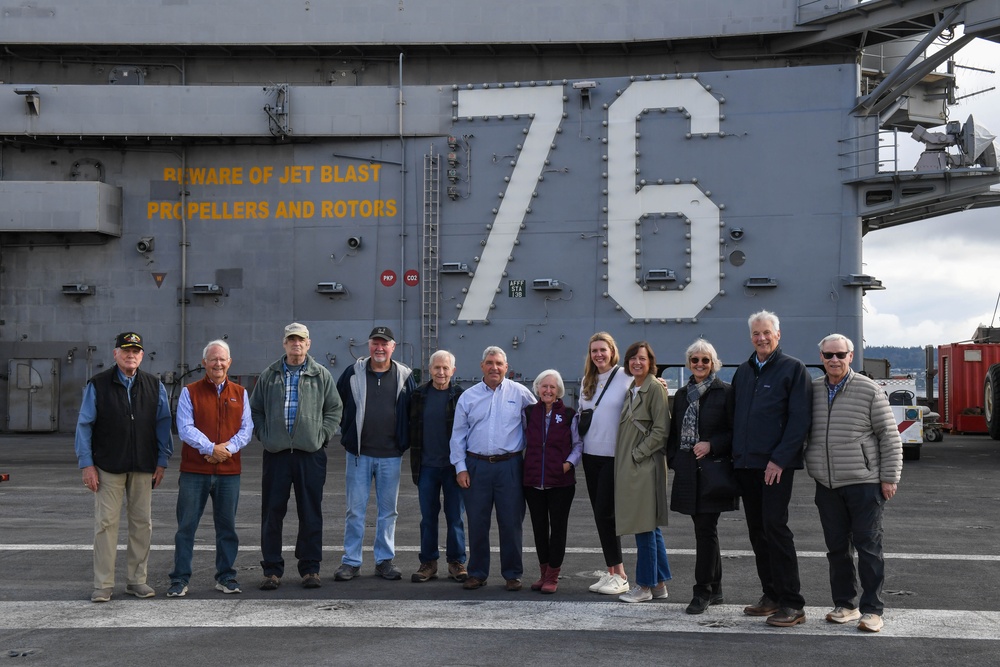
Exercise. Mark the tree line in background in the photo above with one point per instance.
(899, 357)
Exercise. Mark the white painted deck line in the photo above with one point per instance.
(473, 614)
(729, 553)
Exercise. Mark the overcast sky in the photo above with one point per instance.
(942, 275)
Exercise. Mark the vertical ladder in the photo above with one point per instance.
(430, 260)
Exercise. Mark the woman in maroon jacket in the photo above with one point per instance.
(553, 449)
(701, 426)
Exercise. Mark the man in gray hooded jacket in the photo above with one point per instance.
(375, 432)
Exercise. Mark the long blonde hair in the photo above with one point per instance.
(590, 370)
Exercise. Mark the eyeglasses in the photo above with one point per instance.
(700, 360)
(839, 355)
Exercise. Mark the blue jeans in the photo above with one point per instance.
(651, 566)
(193, 492)
(852, 515)
(361, 471)
(306, 473)
(433, 481)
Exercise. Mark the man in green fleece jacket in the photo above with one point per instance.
(296, 410)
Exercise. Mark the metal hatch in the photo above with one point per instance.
(32, 395)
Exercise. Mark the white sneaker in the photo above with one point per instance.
(870, 623)
(843, 615)
(596, 588)
(637, 594)
(660, 592)
(616, 586)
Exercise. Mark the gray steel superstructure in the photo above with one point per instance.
(519, 174)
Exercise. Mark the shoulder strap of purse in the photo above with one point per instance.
(606, 385)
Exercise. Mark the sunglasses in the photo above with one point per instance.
(702, 360)
(839, 355)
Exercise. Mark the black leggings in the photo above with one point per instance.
(549, 509)
(600, 474)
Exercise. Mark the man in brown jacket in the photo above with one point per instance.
(856, 456)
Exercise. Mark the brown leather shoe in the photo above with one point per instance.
(270, 582)
(764, 607)
(472, 583)
(513, 585)
(786, 617)
(426, 572)
(457, 571)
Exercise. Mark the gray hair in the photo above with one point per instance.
(494, 350)
(559, 382)
(216, 343)
(704, 347)
(836, 336)
(764, 316)
(442, 353)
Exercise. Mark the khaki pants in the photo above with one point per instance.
(137, 489)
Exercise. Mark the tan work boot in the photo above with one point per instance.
(427, 571)
(457, 571)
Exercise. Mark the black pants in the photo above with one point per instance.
(708, 560)
(305, 472)
(766, 508)
(549, 509)
(852, 516)
(600, 474)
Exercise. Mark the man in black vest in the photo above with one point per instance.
(123, 443)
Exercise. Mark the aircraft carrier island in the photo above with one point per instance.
(519, 174)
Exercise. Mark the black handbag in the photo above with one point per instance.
(587, 415)
(716, 478)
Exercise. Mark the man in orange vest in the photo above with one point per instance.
(213, 420)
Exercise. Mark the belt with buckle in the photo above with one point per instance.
(496, 458)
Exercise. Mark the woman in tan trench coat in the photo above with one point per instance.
(641, 473)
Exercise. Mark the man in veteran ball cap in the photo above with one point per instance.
(123, 444)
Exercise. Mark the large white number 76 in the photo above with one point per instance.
(625, 204)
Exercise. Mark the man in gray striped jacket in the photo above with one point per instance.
(855, 455)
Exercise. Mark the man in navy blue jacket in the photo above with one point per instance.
(773, 414)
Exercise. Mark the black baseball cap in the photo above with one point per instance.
(128, 339)
(385, 333)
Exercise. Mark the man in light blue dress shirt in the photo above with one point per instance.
(486, 445)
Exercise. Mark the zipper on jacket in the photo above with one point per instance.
(545, 438)
(829, 412)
